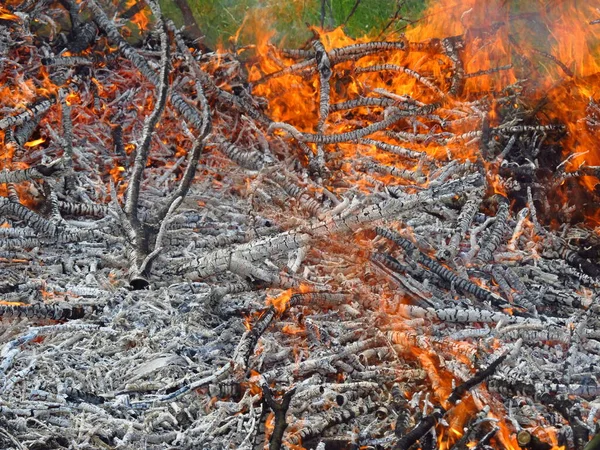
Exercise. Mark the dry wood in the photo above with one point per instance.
(337, 269)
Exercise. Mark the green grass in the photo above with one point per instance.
(219, 20)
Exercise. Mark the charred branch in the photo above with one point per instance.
(32, 111)
(201, 358)
(57, 311)
(429, 421)
(33, 173)
(439, 269)
(280, 411)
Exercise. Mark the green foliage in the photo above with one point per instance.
(219, 20)
(371, 16)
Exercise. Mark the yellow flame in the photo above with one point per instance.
(7, 15)
(34, 143)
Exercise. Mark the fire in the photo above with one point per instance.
(47, 294)
(573, 92)
(5, 303)
(116, 172)
(247, 323)
(269, 425)
(500, 45)
(441, 381)
(280, 302)
(7, 15)
(98, 85)
(293, 329)
(457, 420)
(35, 143)
(142, 19)
(495, 42)
(130, 147)
(72, 98)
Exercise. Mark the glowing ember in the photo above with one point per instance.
(389, 196)
(72, 98)
(116, 173)
(2, 302)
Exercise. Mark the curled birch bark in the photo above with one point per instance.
(105, 24)
(440, 270)
(32, 111)
(58, 311)
(496, 234)
(37, 172)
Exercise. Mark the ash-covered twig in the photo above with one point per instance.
(57, 311)
(69, 61)
(350, 52)
(360, 102)
(464, 221)
(324, 68)
(245, 348)
(496, 233)
(560, 64)
(40, 171)
(143, 147)
(439, 269)
(105, 24)
(416, 75)
(395, 149)
(32, 111)
(391, 118)
(480, 73)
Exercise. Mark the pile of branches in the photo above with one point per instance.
(180, 270)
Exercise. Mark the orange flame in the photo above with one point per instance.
(6, 15)
(5, 303)
(141, 19)
(72, 98)
(280, 302)
(247, 323)
(293, 329)
(115, 172)
(555, 49)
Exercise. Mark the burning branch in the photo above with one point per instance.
(429, 421)
(184, 176)
(30, 113)
(105, 24)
